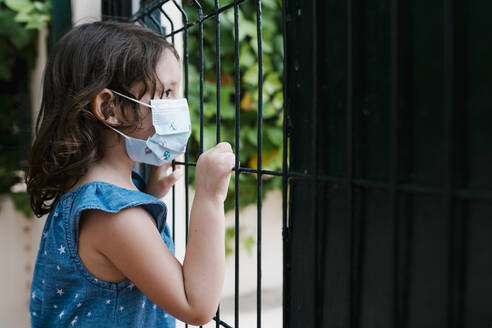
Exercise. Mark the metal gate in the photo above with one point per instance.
(389, 105)
(149, 15)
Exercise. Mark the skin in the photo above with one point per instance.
(127, 244)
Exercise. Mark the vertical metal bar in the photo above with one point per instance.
(157, 23)
(259, 162)
(236, 178)
(217, 122)
(200, 36)
(186, 63)
(397, 319)
(218, 72)
(454, 243)
(354, 308)
(170, 22)
(174, 165)
(285, 227)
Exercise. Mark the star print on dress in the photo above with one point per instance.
(58, 267)
(45, 253)
(61, 249)
(108, 301)
(55, 306)
(45, 234)
(61, 314)
(143, 304)
(89, 314)
(34, 314)
(33, 295)
(74, 321)
(154, 306)
(59, 291)
(165, 315)
(56, 214)
(122, 308)
(131, 286)
(76, 295)
(79, 305)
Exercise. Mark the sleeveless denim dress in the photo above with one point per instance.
(64, 293)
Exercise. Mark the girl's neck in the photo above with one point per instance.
(115, 167)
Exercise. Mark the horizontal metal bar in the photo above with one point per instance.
(342, 182)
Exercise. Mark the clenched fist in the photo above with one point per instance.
(213, 172)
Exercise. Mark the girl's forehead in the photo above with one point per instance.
(168, 69)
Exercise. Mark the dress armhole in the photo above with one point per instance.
(111, 199)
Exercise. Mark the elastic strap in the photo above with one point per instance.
(135, 100)
(109, 126)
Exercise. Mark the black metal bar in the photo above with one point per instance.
(221, 323)
(397, 318)
(218, 71)
(455, 310)
(187, 181)
(217, 122)
(208, 16)
(170, 22)
(200, 36)
(259, 162)
(147, 10)
(285, 225)
(237, 149)
(157, 23)
(173, 190)
(354, 309)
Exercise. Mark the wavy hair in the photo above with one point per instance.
(86, 60)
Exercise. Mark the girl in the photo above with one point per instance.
(106, 254)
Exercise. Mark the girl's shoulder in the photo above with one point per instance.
(107, 197)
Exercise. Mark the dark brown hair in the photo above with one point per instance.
(86, 60)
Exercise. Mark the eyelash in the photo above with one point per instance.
(167, 92)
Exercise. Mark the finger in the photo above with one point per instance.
(175, 176)
(224, 147)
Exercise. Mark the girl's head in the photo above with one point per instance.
(83, 67)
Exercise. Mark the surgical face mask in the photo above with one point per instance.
(171, 120)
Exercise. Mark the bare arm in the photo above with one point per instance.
(130, 240)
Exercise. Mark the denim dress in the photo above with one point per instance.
(64, 293)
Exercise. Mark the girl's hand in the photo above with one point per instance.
(160, 182)
(213, 172)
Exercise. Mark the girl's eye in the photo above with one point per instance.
(167, 92)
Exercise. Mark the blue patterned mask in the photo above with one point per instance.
(171, 120)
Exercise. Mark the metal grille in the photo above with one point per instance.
(149, 16)
(398, 222)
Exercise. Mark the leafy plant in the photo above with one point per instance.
(20, 21)
(272, 102)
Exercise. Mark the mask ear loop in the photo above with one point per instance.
(129, 98)
(93, 105)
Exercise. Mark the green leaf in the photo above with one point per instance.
(275, 135)
(18, 5)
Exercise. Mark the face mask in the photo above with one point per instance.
(171, 120)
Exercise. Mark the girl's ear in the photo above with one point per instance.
(103, 107)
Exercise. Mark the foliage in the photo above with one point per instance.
(272, 102)
(20, 21)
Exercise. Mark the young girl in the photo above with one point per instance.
(106, 254)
